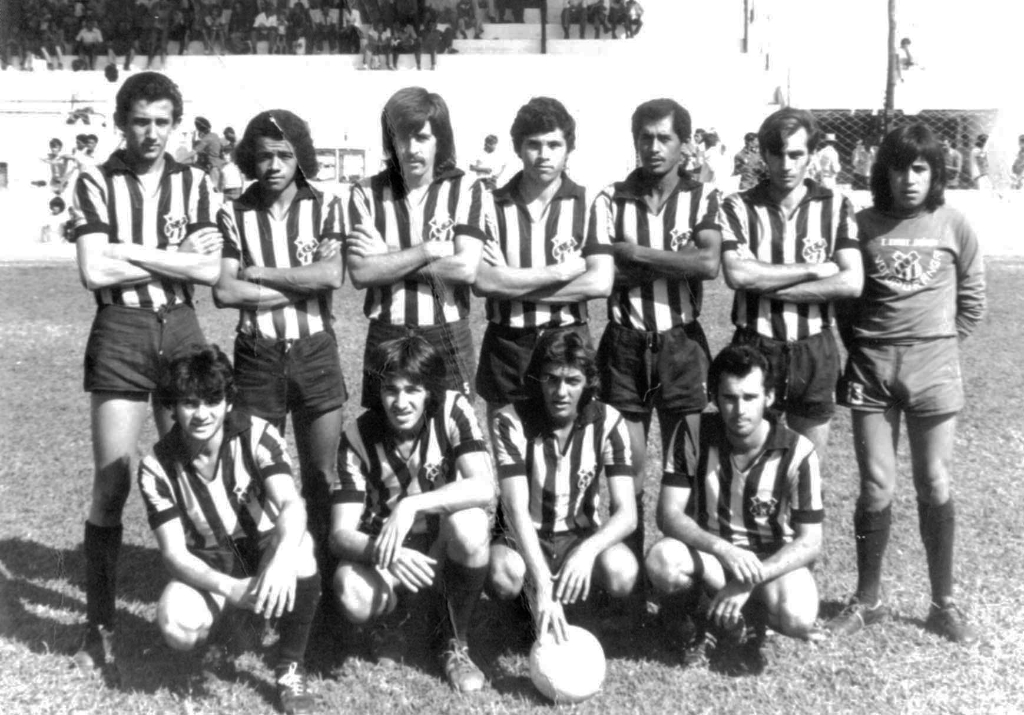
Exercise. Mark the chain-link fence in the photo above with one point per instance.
(960, 127)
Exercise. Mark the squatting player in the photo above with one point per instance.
(410, 504)
(552, 450)
(924, 292)
(230, 525)
(281, 266)
(741, 510)
(661, 224)
(417, 236)
(789, 248)
(540, 272)
(145, 234)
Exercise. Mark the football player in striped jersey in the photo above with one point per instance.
(230, 525)
(553, 450)
(741, 511)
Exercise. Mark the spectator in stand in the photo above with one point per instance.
(748, 164)
(50, 42)
(573, 13)
(90, 43)
(300, 30)
(264, 25)
(466, 17)
(332, 13)
(434, 41)
(350, 34)
(1017, 170)
(280, 44)
(616, 16)
(597, 15)
(634, 18)
(238, 30)
(158, 24)
(861, 166)
(318, 32)
(378, 43)
(207, 16)
(183, 18)
(954, 161)
(979, 164)
(122, 39)
(404, 40)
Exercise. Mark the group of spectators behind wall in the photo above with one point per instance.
(77, 34)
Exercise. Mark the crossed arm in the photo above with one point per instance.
(103, 265)
(271, 592)
(263, 287)
(372, 263)
(842, 277)
(637, 265)
(570, 281)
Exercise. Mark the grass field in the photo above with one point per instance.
(45, 478)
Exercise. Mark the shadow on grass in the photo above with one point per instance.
(38, 611)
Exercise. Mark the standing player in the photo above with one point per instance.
(924, 292)
(552, 450)
(661, 224)
(540, 272)
(231, 529)
(789, 247)
(145, 233)
(281, 266)
(418, 232)
(414, 480)
(741, 510)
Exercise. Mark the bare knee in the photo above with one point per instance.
(360, 599)
(792, 604)
(184, 618)
(467, 537)
(619, 570)
(669, 566)
(507, 573)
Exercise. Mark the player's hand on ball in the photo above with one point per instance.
(413, 569)
(551, 616)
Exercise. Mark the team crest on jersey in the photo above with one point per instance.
(174, 229)
(910, 269)
(305, 250)
(763, 508)
(563, 248)
(678, 238)
(433, 471)
(906, 267)
(814, 250)
(583, 478)
(441, 228)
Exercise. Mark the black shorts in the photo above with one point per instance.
(643, 370)
(275, 377)
(239, 558)
(128, 348)
(555, 547)
(504, 356)
(454, 340)
(805, 371)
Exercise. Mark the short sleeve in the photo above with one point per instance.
(805, 487)
(680, 458)
(360, 205)
(464, 434)
(615, 453)
(473, 210)
(335, 224)
(846, 226)
(509, 445)
(601, 225)
(732, 222)
(157, 494)
(89, 202)
(271, 452)
(349, 486)
(229, 232)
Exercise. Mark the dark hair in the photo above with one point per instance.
(655, 110)
(277, 124)
(405, 113)
(563, 348)
(205, 374)
(900, 148)
(539, 116)
(92, 138)
(413, 358)
(147, 87)
(58, 201)
(56, 141)
(781, 125)
(749, 137)
(711, 139)
(739, 361)
(83, 138)
(981, 140)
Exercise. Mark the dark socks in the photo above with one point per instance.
(937, 530)
(102, 546)
(871, 529)
(462, 588)
(294, 626)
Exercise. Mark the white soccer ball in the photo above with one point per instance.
(568, 672)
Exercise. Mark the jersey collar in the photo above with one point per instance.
(535, 419)
(634, 187)
(392, 179)
(510, 194)
(117, 162)
(761, 193)
(252, 198)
